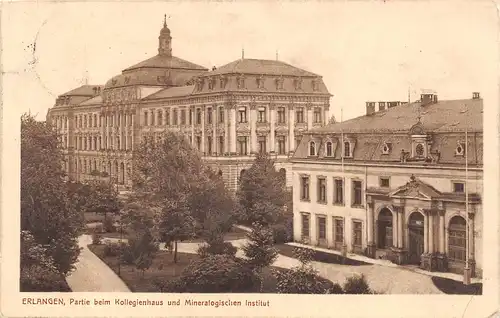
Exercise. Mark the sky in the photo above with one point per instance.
(365, 50)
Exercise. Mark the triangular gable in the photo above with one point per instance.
(415, 188)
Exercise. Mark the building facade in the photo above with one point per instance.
(228, 113)
(394, 183)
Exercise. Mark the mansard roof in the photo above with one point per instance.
(259, 66)
(168, 62)
(84, 90)
(172, 92)
(443, 116)
(442, 124)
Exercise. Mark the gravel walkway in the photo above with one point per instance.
(93, 275)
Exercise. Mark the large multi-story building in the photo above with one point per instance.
(228, 113)
(394, 184)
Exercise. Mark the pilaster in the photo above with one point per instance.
(253, 128)
(272, 133)
(291, 129)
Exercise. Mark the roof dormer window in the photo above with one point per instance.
(315, 85)
(312, 148)
(260, 82)
(386, 148)
(240, 81)
(297, 82)
(279, 83)
(211, 83)
(460, 149)
(347, 149)
(329, 149)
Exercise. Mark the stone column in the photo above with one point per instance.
(253, 128)
(395, 229)
(441, 233)
(214, 130)
(232, 139)
(369, 223)
(202, 129)
(226, 130)
(431, 232)
(400, 227)
(272, 116)
(426, 233)
(192, 111)
(291, 129)
(309, 116)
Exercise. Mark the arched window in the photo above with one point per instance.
(347, 149)
(329, 149)
(242, 173)
(220, 173)
(282, 173)
(312, 148)
(457, 239)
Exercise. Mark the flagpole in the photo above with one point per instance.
(467, 274)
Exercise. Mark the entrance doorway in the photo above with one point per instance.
(416, 236)
(385, 229)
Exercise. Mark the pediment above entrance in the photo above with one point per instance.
(415, 189)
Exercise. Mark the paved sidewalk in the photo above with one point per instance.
(93, 275)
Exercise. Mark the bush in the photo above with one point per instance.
(96, 239)
(104, 174)
(39, 278)
(357, 285)
(218, 248)
(214, 274)
(108, 225)
(113, 249)
(304, 280)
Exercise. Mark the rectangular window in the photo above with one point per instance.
(175, 118)
(209, 144)
(262, 144)
(281, 145)
(242, 115)
(221, 115)
(242, 146)
(198, 142)
(160, 118)
(221, 144)
(357, 193)
(384, 182)
(458, 187)
(145, 118)
(338, 195)
(317, 115)
(321, 190)
(339, 231)
(305, 225)
(152, 118)
(321, 227)
(304, 189)
(261, 116)
(357, 232)
(209, 116)
(299, 115)
(281, 115)
(183, 116)
(167, 117)
(198, 116)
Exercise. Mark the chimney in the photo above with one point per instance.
(475, 95)
(214, 68)
(370, 108)
(428, 97)
(381, 106)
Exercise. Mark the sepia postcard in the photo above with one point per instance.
(250, 158)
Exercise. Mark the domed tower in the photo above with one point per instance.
(165, 40)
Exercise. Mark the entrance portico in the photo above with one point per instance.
(417, 224)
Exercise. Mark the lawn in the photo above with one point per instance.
(164, 269)
(318, 256)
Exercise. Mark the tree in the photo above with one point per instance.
(47, 211)
(174, 224)
(304, 279)
(188, 198)
(259, 250)
(142, 246)
(212, 207)
(262, 194)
